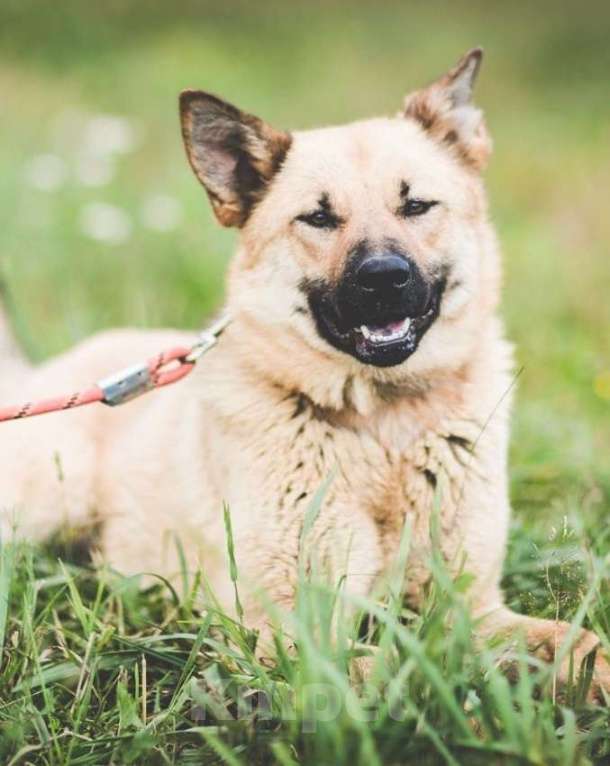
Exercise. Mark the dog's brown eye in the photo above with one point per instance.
(319, 219)
(412, 207)
(323, 217)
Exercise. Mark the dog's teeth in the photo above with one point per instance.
(383, 336)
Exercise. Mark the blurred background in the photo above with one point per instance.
(102, 222)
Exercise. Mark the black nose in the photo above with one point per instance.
(383, 272)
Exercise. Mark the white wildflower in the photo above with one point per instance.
(105, 223)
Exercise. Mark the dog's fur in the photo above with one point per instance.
(276, 408)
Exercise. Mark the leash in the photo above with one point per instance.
(162, 370)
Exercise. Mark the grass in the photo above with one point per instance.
(95, 670)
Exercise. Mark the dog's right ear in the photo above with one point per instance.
(234, 154)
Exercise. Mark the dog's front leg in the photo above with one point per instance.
(549, 640)
(340, 557)
(543, 639)
(485, 514)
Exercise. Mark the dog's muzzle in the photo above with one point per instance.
(379, 310)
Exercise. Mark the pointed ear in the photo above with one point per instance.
(232, 153)
(445, 110)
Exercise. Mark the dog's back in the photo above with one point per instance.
(50, 463)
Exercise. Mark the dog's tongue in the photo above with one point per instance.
(393, 326)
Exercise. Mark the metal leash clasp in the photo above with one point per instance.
(126, 384)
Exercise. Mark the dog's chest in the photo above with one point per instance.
(420, 484)
(375, 478)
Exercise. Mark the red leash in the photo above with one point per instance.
(165, 368)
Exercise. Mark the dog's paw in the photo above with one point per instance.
(591, 670)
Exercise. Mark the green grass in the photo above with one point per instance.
(95, 670)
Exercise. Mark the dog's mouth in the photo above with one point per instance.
(389, 340)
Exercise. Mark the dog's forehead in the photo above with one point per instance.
(374, 152)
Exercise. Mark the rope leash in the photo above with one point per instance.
(162, 370)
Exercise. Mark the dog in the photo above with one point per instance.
(364, 345)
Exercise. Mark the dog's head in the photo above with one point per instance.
(366, 242)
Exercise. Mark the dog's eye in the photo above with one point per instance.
(319, 219)
(413, 207)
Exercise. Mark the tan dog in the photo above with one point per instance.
(364, 342)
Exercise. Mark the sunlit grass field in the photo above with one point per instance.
(102, 224)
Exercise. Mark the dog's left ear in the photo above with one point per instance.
(234, 154)
(445, 110)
